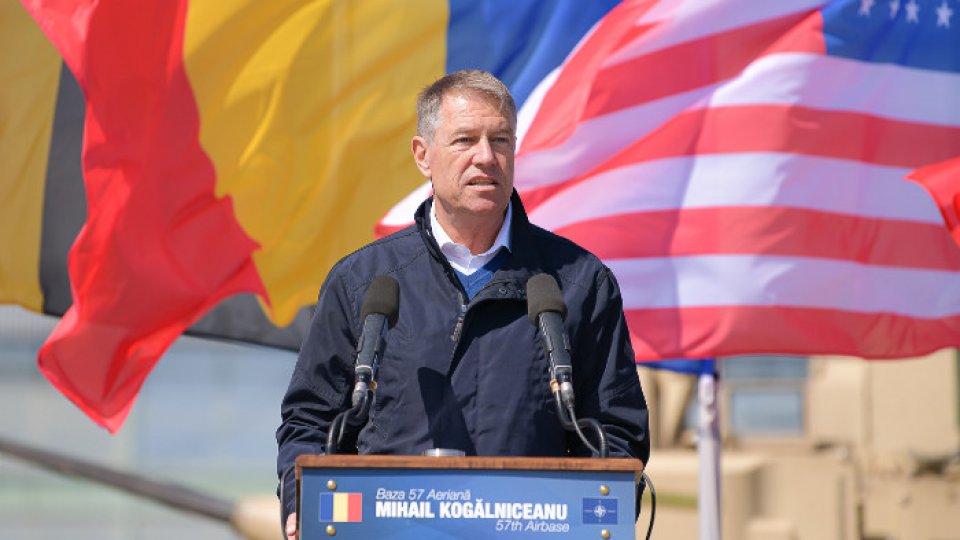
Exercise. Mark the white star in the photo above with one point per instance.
(943, 15)
(913, 11)
(865, 7)
(894, 8)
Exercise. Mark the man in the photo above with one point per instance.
(463, 368)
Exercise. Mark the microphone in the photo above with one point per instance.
(379, 314)
(547, 311)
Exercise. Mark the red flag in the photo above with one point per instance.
(942, 180)
(158, 248)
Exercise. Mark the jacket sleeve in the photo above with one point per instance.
(319, 385)
(609, 388)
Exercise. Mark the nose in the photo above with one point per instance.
(483, 153)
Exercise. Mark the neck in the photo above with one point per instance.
(477, 233)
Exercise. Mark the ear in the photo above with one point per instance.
(418, 145)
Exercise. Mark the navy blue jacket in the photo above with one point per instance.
(466, 375)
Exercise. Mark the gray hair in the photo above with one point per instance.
(469, 80)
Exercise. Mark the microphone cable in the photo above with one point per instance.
(338, 427)
(360, 411)
(601, 435)
(570, 422)
(579, 432)
(645, 480)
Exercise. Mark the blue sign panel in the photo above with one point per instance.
(461, 504)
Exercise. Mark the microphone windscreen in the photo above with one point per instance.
(543, 294)
(383, 297)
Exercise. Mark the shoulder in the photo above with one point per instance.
(570, 262)
(386, 256)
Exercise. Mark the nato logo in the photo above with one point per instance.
(599, 511)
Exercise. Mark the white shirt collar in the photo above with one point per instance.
(459, 255)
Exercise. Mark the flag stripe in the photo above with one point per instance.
(136, 196)
(797, 129)
(341, 502)
(326, 507)
(800, 129)
(912, 97)
(307, 90)
(702, 332)
(689, 20)
(708, 60)
(30, 71)
(64, 200)
(580, 152)
(568, 96)
(549, 31)
(564, 105)
(355, 507)
(769, 280)
(743, 179)
(818, 81)
(758, 230)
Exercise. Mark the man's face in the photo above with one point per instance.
(470, 160)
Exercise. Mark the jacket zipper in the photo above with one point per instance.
(463, 315)
(458, 329)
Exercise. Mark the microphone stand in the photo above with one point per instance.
(338, 427)
(570, 422)
(378, 313)
(546, 311)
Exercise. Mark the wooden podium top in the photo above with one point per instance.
(472, 462)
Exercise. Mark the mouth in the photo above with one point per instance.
(482, 181)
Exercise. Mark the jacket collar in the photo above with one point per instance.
(524, 262)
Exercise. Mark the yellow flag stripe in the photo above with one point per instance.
(307, 109)
(30, 71)
(341, 503)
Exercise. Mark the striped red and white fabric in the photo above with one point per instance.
(741, 167)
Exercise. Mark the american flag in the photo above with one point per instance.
(741, 167)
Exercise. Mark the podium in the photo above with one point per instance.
(419, 497)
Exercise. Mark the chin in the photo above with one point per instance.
(487, 206)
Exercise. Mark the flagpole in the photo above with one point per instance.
(708, 451)
(254, 517)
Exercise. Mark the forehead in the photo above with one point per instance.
(460, 109)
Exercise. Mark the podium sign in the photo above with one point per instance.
(394, 497)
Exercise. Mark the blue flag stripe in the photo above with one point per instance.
(326, 507)
(520, 41)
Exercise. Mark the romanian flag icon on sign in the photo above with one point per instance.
(341, 507)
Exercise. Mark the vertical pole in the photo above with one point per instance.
(708, 452)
